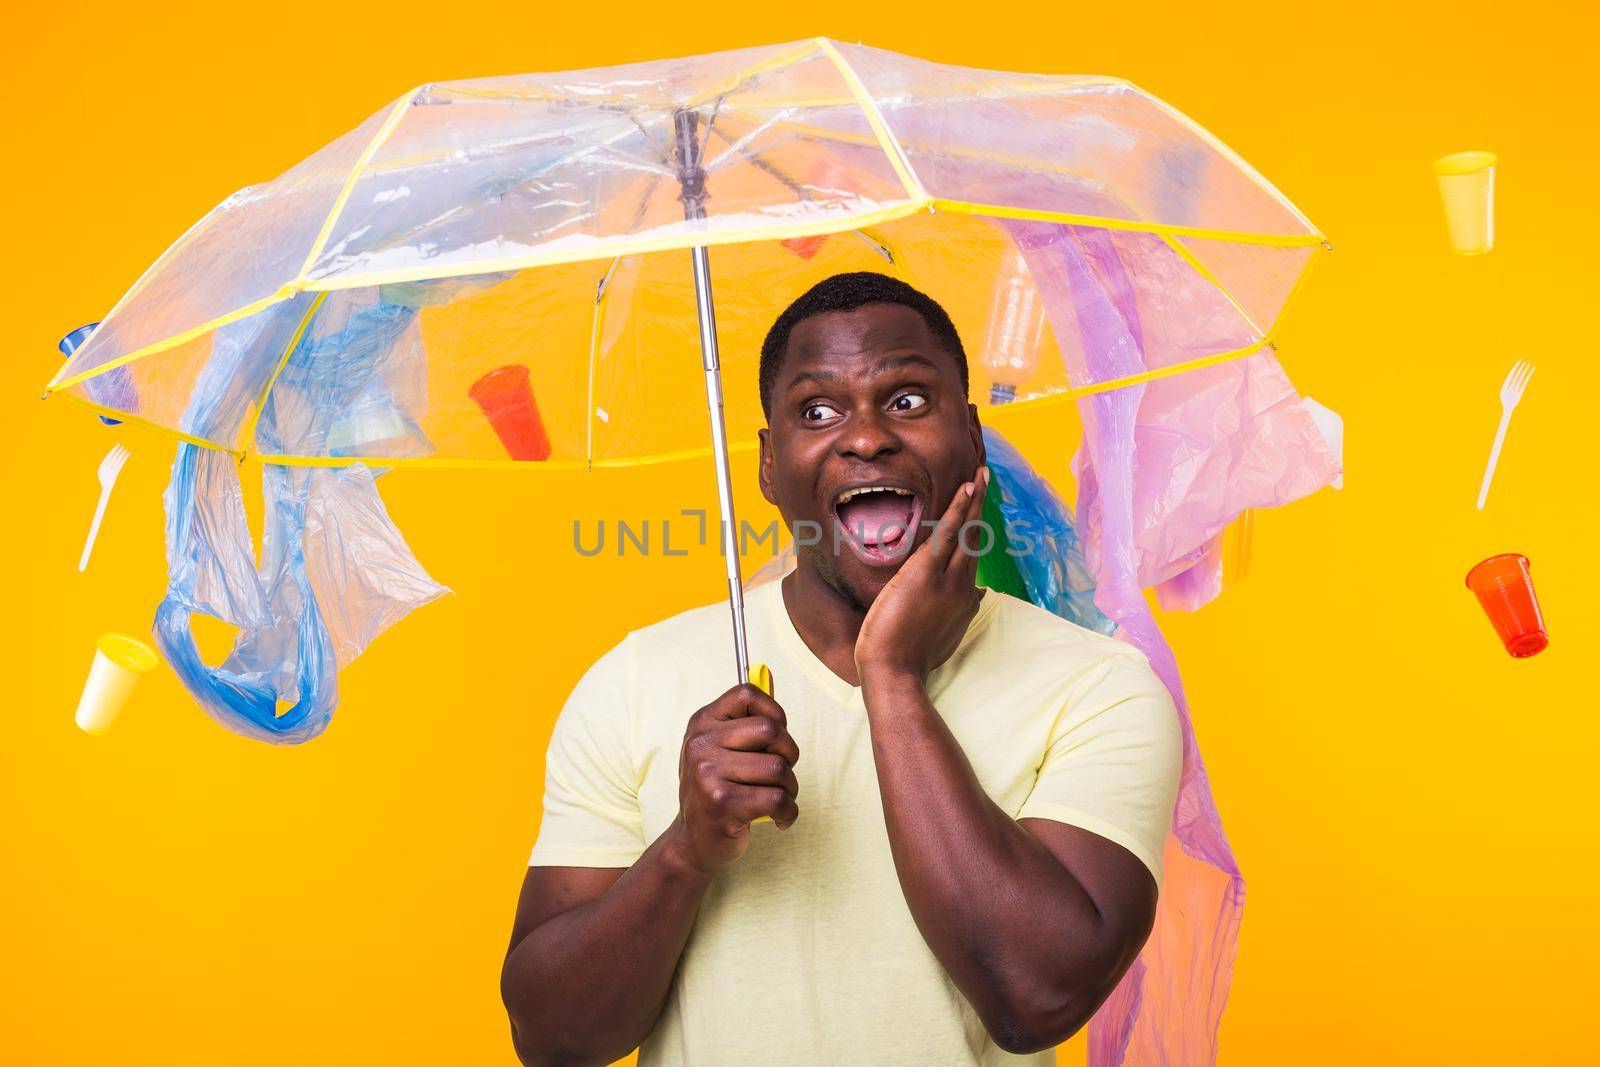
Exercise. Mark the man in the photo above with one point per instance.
(969, 796)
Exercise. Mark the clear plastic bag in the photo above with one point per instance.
(335, 572)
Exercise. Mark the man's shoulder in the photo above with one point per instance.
(1022, 626)
(660, 651)
(705, 628)
(1038, 650)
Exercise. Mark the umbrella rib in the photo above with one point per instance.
(711, 125)
(644, 204)
(769, 168)
(1188, 256)
(663, 148)
(150, 424)
(339, 202)
(739, 145)
(602, 290)
(249, 432)
(886, 141)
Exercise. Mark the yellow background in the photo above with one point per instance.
(1411, 807)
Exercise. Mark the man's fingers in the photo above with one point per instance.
(971, 538)
(760, 768)
(945, 532)
(746, 803)
(746, 699)
(756, 733)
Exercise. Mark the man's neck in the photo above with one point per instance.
(825, 621)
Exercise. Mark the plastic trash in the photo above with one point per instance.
(1503, 585)
(1511, 391)
(110, 467)
(507, 402)
(1042, 538)
(1161, 473)
(334, 572)
(1330, 424)
(113, 389)
(1016, 328)
(1204, 446)
(1466, 185)
(119, 662)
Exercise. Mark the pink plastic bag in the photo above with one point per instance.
(1165, 466)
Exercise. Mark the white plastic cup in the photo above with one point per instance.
(1466, 185)
(119, 660)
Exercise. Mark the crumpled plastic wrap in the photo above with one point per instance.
(1165, 466)
(335, 572)
(1207, 444)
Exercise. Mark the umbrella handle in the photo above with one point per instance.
(761, 678)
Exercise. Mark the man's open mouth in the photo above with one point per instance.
(879, 521)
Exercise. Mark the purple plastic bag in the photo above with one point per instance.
(1165, 466)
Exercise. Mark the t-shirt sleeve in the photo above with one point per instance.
(1114, 758)
(591, 798)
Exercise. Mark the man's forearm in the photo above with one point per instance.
(1016, 932)
(587, 985)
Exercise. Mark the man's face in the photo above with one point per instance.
(866, 398)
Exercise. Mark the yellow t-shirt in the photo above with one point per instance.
(804, 950)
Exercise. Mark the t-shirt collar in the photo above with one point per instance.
(821, 675)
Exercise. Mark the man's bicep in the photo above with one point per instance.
(549, 891)
(1121, 886)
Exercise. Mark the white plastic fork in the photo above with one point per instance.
(1510, 394)
(110, 467)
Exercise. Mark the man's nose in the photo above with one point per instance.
(868, 436)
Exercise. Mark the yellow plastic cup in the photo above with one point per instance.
(119, 660)
(1466, 184)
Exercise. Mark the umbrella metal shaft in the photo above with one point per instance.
(719, 448)
(692, 177)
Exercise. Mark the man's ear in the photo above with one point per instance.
(764, 468)
(976, 429)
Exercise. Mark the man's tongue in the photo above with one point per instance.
(876, 518)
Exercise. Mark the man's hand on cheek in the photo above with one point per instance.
(918, 619)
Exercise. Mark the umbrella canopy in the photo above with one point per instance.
(540, 221)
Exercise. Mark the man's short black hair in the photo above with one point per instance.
(847, 292)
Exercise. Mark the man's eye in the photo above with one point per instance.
(908, 401)
(810, 412)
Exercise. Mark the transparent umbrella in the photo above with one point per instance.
(562, 226)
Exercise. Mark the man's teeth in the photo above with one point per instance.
(850, 493)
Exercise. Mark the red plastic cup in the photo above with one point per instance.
(804, 247)
(507, 401)
(1505, 589)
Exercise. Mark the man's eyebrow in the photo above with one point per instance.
(878, 366)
